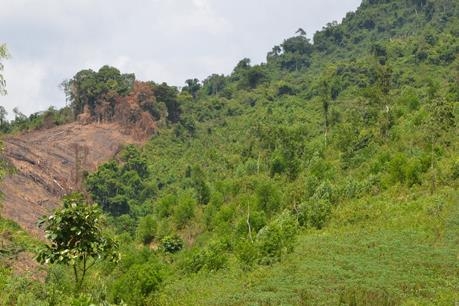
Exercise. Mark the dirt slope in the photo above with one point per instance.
(50, 163)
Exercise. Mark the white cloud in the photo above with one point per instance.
(25, 82)
(159, 40)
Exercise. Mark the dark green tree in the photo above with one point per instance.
(274, 53)
(192, 86)
(241, 69)
(214, 84)
(301, 32)
(297, 44)
(252, 77)
(168, 95)
(296, 53)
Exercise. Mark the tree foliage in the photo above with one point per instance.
(266, 177)
(77, 238)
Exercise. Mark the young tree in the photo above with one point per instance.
(77, 238)
(325, 99)
(328, 89)
(441, 121)
(383, 87)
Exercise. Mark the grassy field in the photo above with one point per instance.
(392, 253)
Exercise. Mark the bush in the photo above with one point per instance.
(247, 253)
(139, 281)
(276, 239)
(278, 165)
(164, 206)
(268, 197)
(146, 229)
(257, 220)
(211, 258)
(404, 170)
(455, 170)
(323, 192)
(314, 213)
(171, 244)
(184, 211)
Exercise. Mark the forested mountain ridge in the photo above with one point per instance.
(327, 175)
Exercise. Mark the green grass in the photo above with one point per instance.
(408, 255)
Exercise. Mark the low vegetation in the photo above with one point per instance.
(326, 176)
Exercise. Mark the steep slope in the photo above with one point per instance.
(50, 163)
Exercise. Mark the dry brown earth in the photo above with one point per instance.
(50, 163)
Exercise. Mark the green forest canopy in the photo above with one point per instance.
(326, 175)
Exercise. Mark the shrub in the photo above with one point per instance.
(268, 197)
(276, 239)
(404, 170)
(137, 283)
(323, 192)
(211, 258)
(164, 206)
(257, 220)
(171, 244)
(314, 213)
(146, 229)
(184, 210)
(247, 253)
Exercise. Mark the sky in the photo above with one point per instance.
(159, 40)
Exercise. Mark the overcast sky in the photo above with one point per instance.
(160, 40)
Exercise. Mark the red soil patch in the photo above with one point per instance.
(50, 163)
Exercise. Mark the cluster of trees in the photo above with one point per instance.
(294, 54)
(108, 95)
(39, 120)
(121, 188)
(93, 90)
(251, 160)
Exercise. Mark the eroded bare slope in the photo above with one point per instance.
(50, 163)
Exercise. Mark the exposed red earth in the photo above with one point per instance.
(48, 164)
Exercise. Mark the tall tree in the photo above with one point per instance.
(383, 87)
(297, 53)
(168, 95)
(192, 86)
(301, 32)
(214, 84)
(325, 98)
(441, 120)
(328, 91)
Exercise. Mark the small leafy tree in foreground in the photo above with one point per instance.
(76, 237)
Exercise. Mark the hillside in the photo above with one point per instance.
(328, 175)
(50, 163)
